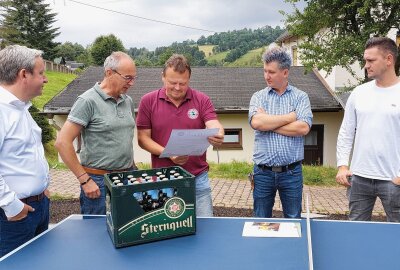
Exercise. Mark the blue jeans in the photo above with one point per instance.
(290, 187)
(362, 195)
(204, 207)
(15, 233)
(94, 206)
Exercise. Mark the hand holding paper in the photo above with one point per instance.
(188, 142)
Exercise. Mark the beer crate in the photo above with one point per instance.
(142, 212)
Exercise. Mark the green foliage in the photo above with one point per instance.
(164, 56)
(207, 51)
(142, 56)
(238, 170)
(103, 46)
(250, 59)
(397, 67)
(85, 57)
(236, 53)
(231, 170)
(29, 23)
(52, 156)
(239, 42)
(69, 51)
(217, 59)
(335, 31)
(60, 197)
(239, 38)
(43, 123)
(143, 166)
(189, 49)
(319, 176)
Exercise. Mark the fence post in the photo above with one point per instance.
(51, 66)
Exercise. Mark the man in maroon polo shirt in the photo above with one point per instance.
(177, 106)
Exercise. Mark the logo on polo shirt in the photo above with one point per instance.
(193, 114)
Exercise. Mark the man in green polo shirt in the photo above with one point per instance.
(104, 116)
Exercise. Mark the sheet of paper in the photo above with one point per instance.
(270, 229)
(188, 142)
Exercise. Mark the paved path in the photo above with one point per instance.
(234, 193)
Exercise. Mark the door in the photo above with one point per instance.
(313, 146)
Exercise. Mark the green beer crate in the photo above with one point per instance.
(139, 212)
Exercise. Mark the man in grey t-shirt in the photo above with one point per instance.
(104, 116)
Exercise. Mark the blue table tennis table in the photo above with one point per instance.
(82, 242)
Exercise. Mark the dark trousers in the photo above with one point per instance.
(15, 233)
(362, 195)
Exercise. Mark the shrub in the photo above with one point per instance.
(43, 123)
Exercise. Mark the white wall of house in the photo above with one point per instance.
(331, 122)
(235, 121)
(339, 77)
(393, 33)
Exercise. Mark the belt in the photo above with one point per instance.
(279, 168)
(103, 172)
(34, 198)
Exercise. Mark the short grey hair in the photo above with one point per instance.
(279, 55)
(13, 58)
(113, 60)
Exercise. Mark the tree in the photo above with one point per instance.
(335, 31)
(164, 56)
(85, 57)
(29, 23)
(103, 46)
(70, 51)
(43, 123)
(246, 39)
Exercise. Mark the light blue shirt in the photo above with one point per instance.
(273, 149)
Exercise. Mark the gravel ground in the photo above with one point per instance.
(61, 209)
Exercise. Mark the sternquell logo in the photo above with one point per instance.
(174, 207)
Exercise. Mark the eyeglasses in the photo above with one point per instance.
(127, 78)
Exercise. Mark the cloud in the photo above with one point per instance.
(82, 23)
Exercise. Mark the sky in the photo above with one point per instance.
(138, 23)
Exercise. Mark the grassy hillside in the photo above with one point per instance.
(250, 59)
(207, 49)
(57, 82)
(217, 58)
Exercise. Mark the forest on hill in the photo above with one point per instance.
(219, 49)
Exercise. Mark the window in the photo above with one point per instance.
(311, 138)
(294, 56)
(232, 139)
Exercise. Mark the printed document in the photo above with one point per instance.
(188, 142)
(271, 229)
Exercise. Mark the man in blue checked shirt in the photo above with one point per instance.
(281, 116)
